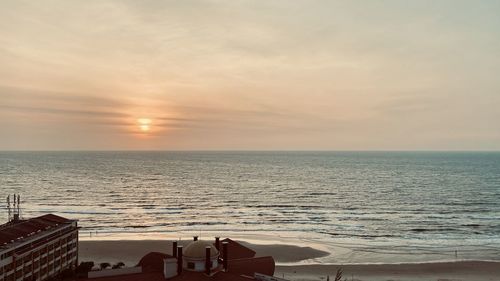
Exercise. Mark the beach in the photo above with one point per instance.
(297, 263)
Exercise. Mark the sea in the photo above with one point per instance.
(361, 207)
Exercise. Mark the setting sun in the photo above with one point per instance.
(144, 124)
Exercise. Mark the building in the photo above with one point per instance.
(37, 249)
(225, 260)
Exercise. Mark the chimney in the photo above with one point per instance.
(179, 260)
(217, 243)
(208, 263)
(174, 249)
(224, 255)
(195, 238)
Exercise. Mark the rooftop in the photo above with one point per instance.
(16, 231)
(242, 265)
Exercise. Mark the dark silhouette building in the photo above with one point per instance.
(37, 249)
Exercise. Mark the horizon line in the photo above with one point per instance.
(253, 150)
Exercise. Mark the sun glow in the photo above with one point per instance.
(144, 124)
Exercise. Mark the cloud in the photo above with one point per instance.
(64, 113)
(318, 75)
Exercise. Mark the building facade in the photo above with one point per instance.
(37, 249)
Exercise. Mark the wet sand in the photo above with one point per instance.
(131, 251)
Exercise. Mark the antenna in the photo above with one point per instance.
(19, 205)
(14, 207)
(8, 207)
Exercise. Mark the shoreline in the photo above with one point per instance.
(345, 251)
(299, 263)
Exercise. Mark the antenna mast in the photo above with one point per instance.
(19, 206)
(14, 207)
(8, 207)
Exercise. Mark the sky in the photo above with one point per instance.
(249, 75)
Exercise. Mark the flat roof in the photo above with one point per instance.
(16, 231)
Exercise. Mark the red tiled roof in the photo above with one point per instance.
(228, 276)
(186, 276)
(249, 266)
(236, 250)
(13, 231)
(200, 276)
(153, 262)
(53, 218)
(151, 276)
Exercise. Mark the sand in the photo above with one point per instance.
(294, 263)
(437, 271)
